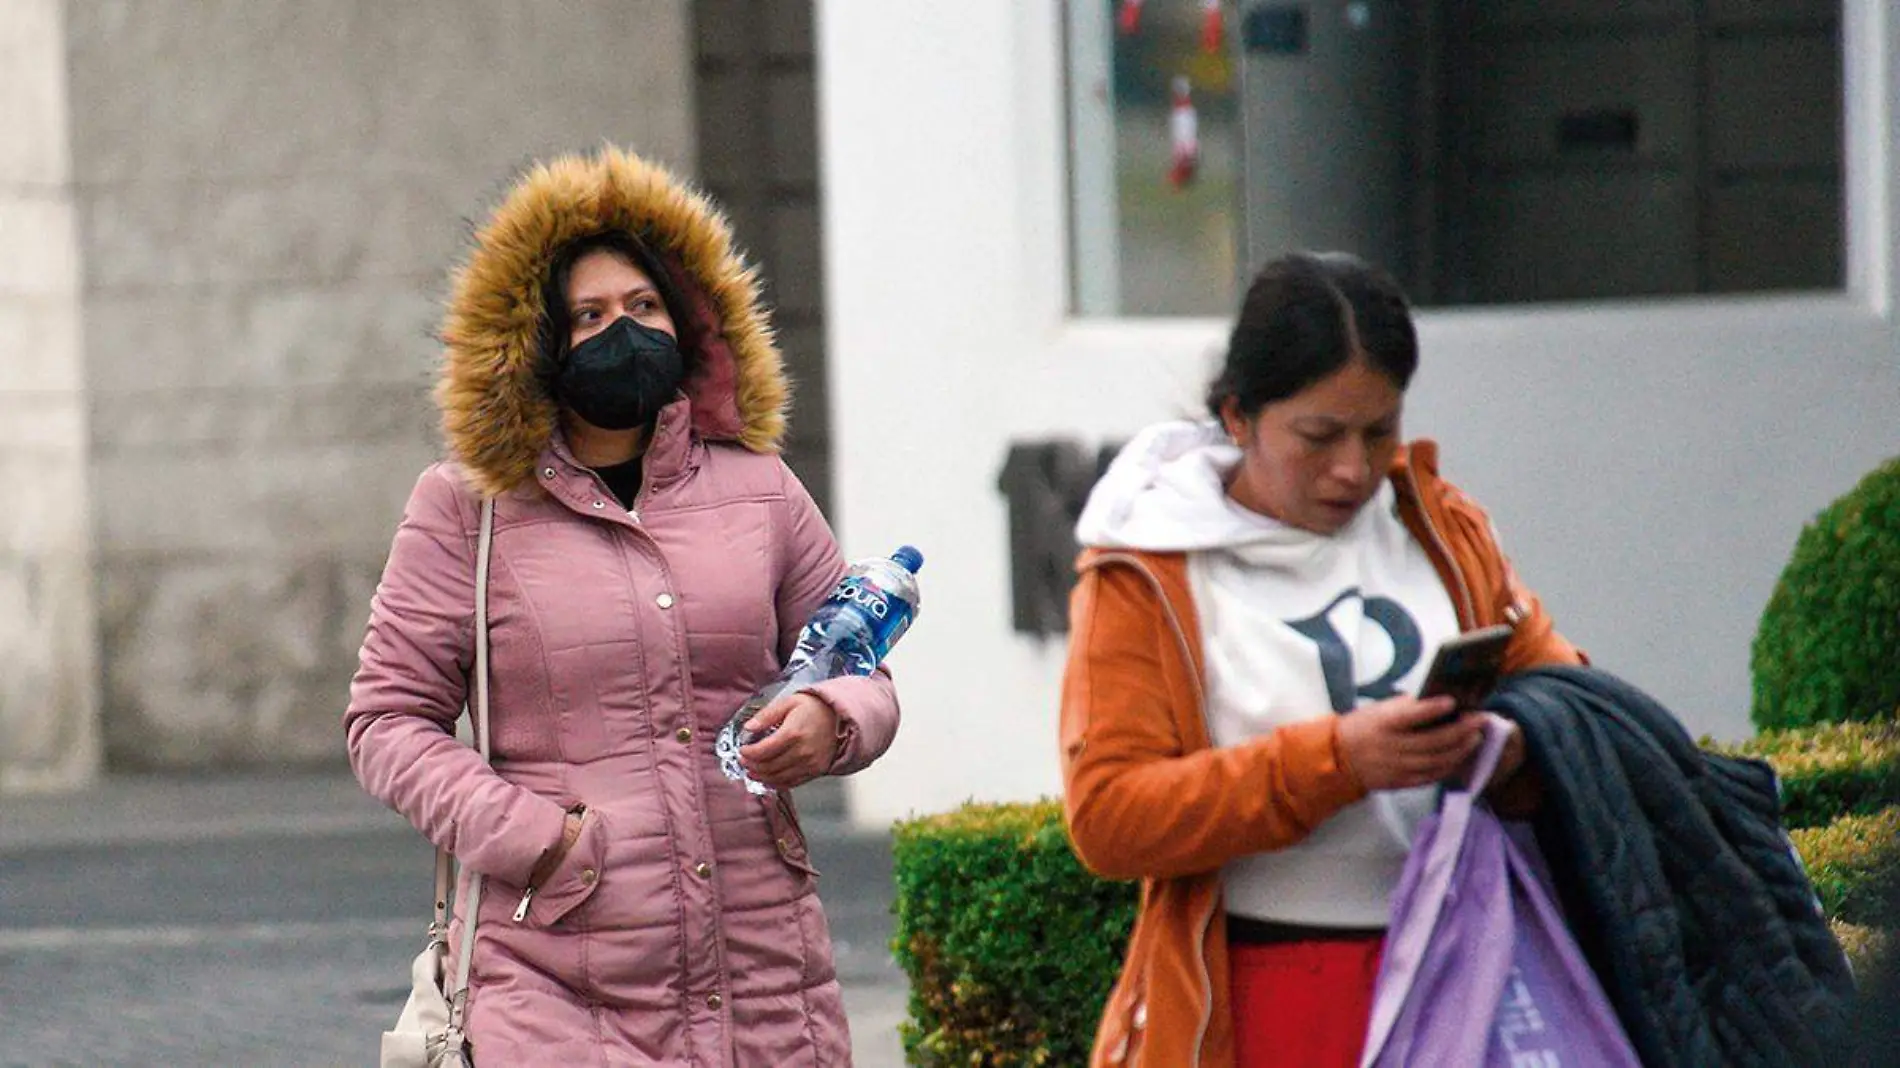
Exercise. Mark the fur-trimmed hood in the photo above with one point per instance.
(496, 415)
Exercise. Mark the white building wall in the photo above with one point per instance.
(48, 705)
(1649, 464)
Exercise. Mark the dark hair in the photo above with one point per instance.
(1307, 315)
(556, 327)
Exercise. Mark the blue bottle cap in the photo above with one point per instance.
(908, 558)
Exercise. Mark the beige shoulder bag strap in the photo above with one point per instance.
(458, 995)
(429, 1032)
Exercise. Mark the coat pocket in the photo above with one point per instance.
(788, 837)
(572, 883)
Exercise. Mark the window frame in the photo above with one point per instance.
(1870, 40)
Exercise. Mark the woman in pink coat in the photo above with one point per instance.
(611, 382)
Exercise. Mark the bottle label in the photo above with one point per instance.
(847, 635)
(856, 590)
(827, 648)
(889, 614)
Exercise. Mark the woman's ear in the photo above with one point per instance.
(1232, 421)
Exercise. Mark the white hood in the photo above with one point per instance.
(1166, 492)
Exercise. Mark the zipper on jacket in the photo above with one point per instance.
(640, 494)
(521, 910)
(1207, 982)
(639, 498)
(1135, 564)
(1457, 571)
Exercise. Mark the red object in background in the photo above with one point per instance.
(1128, 20)
(1184, 134)
(1210, 26)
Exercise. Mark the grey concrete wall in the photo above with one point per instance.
(48, 705)
(270, 193)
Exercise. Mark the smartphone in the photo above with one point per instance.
(1467, 668)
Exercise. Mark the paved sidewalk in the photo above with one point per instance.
(127, 809)
(270, 918)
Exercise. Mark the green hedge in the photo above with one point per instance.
(1829, 771)
(1824, 649)
(1866, 947)
(1854, 863)
(1010, 946)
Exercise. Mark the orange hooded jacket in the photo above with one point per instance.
(1147, 796)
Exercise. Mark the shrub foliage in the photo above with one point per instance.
(1854, 863)
(1824, 650)
(1829, 771)
(1010, 946)
(1866, 947)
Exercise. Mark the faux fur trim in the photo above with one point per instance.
(496, 417)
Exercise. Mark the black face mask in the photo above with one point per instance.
(621, 377)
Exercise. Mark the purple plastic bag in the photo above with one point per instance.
(1479, 967)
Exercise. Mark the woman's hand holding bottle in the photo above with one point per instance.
(801, 740)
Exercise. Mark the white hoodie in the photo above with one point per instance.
(1293, 625)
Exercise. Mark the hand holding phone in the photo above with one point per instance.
(1467, 667)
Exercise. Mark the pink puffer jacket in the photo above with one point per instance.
(684, 927)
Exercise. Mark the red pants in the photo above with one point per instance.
(1303, 1004)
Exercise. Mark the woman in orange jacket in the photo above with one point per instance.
(1261, 594)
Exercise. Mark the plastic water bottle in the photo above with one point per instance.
(849, 634)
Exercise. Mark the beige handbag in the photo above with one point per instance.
(429, 1033)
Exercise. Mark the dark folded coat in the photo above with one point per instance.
(1679, 880)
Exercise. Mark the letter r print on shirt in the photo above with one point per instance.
(1335, 656)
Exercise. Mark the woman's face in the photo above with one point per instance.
(602, 287)
(1314, 459)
